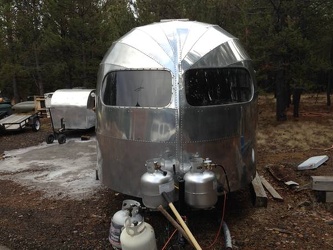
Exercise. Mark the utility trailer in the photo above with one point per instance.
(19, 121)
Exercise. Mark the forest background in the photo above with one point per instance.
(51, 44)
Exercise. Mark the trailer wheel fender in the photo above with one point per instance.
(50, 138)
(36, 124)
(62, 139)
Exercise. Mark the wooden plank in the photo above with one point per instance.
(322, 183)
(40, 105)
(270, 189)
(260, 196)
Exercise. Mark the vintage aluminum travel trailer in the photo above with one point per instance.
(176, 101)
(74, 108)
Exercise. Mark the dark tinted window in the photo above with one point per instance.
(216, 86)
(144, 88)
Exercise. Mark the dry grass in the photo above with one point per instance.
(312, 130)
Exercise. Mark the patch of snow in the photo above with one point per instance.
(58, 170)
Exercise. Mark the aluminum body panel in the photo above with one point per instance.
(75, 107)
(120, 162)
(142, 125)
(231, 146)
(129, 136)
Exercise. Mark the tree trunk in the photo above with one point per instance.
(84, 64)
(40, 84)
(296, 100)
(281, 96)
(330, 76)
(329, 88)
(17, 98)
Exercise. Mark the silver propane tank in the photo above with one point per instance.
(154, 182)
(200, 184)
(130, 208)
(138, 236)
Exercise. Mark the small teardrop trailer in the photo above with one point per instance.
(176, 101)
(71, 109)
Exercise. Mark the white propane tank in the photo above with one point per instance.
(129, 208)
(138, 237)
(200, 185)
(154, 183)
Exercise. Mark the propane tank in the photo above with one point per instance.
(137, 236)
(130, 208)
(200, 185)
(154, 182)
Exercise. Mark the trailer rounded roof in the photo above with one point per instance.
(72, 97)
(170, 43)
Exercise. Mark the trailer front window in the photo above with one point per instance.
(137, 88)
(205, 87)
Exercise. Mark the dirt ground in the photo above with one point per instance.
(300, 221)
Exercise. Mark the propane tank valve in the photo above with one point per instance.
(159, 168)
(208, 164)
(207, 161)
